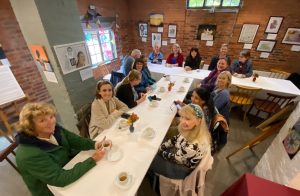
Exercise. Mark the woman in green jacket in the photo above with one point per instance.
(45, 147)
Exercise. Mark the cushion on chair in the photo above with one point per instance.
(241, 99)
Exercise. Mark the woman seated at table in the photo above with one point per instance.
(156, 56)
(210, 81)
(242, 68)
(106, 108)
(221, 95)
(175, 58)
(193, 61)
(221, 55)
(45, 148)
(146, 82)
(126, 92)
(177, 157)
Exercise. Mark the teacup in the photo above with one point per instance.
(168, 77)
(123, 178)
(163, 62)
(148, 132)
(181, 89)
(186, 80)
(106, 146)
(154, 103)
(162, 89)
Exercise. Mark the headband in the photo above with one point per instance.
(197, 110)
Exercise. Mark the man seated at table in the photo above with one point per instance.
(242, 67)
(128, 61)
(156, 56)
(45, 148)
(221, 55)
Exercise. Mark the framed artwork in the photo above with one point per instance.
(266, 45)
(156, 20)
(41, 58)
(172, 31)
(274, 24)
(143, 29)
(291, 142)
(206, 32)
(292, 36)
(72, 57)
(3, 58)
(156, 39)
(248, 33)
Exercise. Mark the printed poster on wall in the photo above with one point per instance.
(3, 59)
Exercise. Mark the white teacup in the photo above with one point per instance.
(163, 62)
(186, 80)
(154, 103)
(181, 89)
(149, 132)
(106, 146)
(123, 178)
(162, 89)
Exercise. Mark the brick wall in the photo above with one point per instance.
(228, 27)
(19, 56)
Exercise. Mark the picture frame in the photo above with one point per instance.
(172, 30)
(266, 45)
(72, 56)
(143, 29)
(156, 39)
(292, 36)
(206, 32)
(248, 33)
(274, 24)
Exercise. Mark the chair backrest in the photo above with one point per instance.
(275, 73)
(116, 77)
(275, 102)
(84, 117)
(244, 95)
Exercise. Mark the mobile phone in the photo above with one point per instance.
(125, 115)
(178, 106)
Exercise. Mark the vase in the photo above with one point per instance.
(131, 128)
(254, 79)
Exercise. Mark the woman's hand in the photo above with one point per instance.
(99, 145)
(143, 98)
(98, 155)
(187, 68)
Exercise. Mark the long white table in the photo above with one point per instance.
(138, 152)
(265, 83)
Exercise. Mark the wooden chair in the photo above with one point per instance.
(272, 104)
(269, 127)
(243, 96)
(275, 73)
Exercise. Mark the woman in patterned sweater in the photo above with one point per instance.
(177, 157)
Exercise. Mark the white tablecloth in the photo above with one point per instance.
(137, 151)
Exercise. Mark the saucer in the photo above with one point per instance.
(114, 154)
(186, 81)
(148, 135)
(124, 186)
(181, 90)
(123, 125)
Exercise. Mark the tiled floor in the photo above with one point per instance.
(222, 175)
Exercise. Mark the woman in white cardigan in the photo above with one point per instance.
(106, 108)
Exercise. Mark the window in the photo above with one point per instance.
(101, 44)
(213, 3)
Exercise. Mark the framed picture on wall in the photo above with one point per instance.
(248, 33)
(143, 29)
(292, 36)
(72, 56)
(206, 32)
(291, 142)
(266, 45)
(172, 30)
(156, 39)
(274, 24)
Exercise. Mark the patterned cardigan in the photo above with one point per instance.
(182, 152)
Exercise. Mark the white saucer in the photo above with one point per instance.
(123, 125)
(186, 81)
(181, 91)
(124, 186)
(147, 135)
(114, 154)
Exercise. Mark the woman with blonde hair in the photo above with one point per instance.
(176, 57)
(126, 92)
(106, 108)
(177, 157)
(45, 148)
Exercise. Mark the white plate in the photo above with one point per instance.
(124, 186)
(114, 154)
(148, 135)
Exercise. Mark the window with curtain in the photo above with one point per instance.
(101, 44)
(213, 3)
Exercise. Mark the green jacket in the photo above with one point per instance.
(41, 162)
